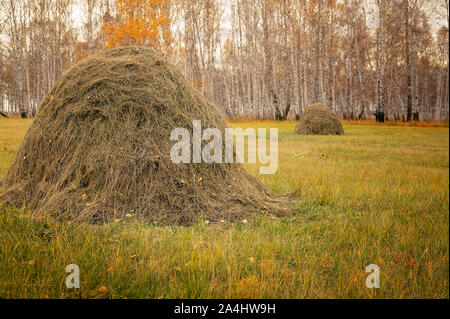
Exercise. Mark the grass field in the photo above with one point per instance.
(378, 195)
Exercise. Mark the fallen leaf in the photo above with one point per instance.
(102, 289)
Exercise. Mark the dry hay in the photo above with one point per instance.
(319, 119)
(99, 148)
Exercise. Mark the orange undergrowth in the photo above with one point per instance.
(350, 122)
(398, 123)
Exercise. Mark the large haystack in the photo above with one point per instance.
(319, 119)
(99, 148)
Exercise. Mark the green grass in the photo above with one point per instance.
(378, 195)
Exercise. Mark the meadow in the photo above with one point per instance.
(377, 195)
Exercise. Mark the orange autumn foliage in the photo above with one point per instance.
(140, 23)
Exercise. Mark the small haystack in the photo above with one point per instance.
(99, 148)
(319, 119)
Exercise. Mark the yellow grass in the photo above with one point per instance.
(378, 194)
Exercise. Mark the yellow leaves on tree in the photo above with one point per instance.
(140, 23)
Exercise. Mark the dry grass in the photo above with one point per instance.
(378, 194)
(319, 119)
(99, 149)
